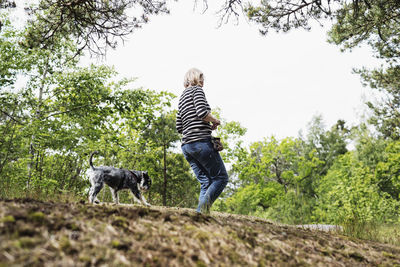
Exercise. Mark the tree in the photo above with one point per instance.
(50, 123)
(386, 110)
(254, 198)
(281, 161)
(356, 22)
(388, 171)
(349, 193)
(377, 24)
(369, 148)
(162, 133)
(95, 24)
(328, 145)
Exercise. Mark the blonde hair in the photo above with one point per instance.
(193, 77)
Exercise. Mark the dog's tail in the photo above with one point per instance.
(90, 160)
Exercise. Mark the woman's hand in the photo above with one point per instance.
(215, 124)
(214, 121)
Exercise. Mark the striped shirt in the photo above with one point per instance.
(192, 109)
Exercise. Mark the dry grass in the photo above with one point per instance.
(379, 232)
(35, 233)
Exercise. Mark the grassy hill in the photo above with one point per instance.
(34, 233)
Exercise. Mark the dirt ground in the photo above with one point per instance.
(34, 233)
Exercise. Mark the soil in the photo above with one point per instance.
(34, 233)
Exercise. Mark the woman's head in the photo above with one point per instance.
(193, 77)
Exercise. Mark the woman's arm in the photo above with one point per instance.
(202, 108)
(210, 118)
(179, 127)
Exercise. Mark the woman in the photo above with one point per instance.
(195, 122)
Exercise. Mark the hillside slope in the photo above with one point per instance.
(34, 233)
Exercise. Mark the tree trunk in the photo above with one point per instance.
(12, 136)
(33, 137)
(165, 176)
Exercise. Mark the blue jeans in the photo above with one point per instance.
(209, 169)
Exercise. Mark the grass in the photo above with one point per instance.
(371, 231)
(53, 233)
(374, 231)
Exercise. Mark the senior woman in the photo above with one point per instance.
(195, 122)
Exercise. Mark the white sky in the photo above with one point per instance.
(272, 85)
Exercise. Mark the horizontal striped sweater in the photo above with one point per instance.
(192, 109)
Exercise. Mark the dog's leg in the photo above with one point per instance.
(114, 194)
(94, 190)
(137, 200)
(144, 201)
(137, 196)
(90, 194)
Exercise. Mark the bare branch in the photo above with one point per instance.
(10, 116)
(95, 24)
(229, 8)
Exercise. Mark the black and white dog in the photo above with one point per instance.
(117, 179)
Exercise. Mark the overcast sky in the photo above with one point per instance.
(272, 85)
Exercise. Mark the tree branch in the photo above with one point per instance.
(11, 117)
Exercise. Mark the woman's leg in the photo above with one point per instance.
(218, 180)
(203, 180)
(210, 170)
(200, 175)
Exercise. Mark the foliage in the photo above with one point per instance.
(252, 198)
(385, 110)
(355, 23)
(54, 112)
(275, 175)
(230, 133)
(349, 193)
(374, 22)
(285, 15)
(51, 123)
(388, 170)
(94, 25)
(315, 179)
(291, 208)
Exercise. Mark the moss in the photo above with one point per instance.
(357, 256)
(115, 243)
(189, 227)
(27, 242)
(66, 246)
(143, 212)
(176, 240)
(233, 257)
(269, 257)
(202, 236)
(72, 226)
(261, 263)
(120, 222)
(197, 233)
(326, 251)
(139, 236)
(233, 235)
(7, 219)
(388, 255)
(37, 217)
(85, 258)
(25, 230)
(165, 238)
(64, 243)
(120, 244)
